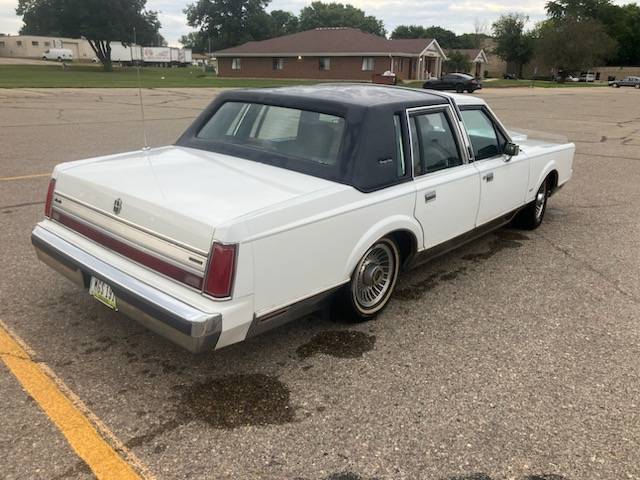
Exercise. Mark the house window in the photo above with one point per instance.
(324, 63)
(35, 44)
(368, 64)
(19, 43)
(47, 44)
(1, 44)
(278, 63)
(235, 64)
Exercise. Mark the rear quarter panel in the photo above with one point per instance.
(313, 245)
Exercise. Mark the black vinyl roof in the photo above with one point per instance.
(369, 140)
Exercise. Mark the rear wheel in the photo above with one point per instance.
(531, 216)
(459, 88)
(372, 282)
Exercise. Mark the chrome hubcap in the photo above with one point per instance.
(374, 275)
(540, 200)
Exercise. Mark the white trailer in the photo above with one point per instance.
(184, 56)
(124, 53)
(174, 54)
(156, 55)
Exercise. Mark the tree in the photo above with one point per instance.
(284, 23)
(320, 14)
(513, 44)
(457, 62)
(226, 23)
(99, 21)
(622, 23)
(196, 41)
(573, 44)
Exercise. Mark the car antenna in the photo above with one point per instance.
(144, 128)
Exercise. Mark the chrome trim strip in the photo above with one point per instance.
(133, 225)
(182, 318)
(188, 268)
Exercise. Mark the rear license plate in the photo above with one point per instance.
(102, 292)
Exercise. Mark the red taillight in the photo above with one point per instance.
(48, 205)
(222, 265)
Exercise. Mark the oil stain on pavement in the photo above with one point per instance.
(504, 239)
(233, 401)
(338, 343)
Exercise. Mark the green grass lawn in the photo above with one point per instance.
(500, 83)
(92, 76)
(88, 76)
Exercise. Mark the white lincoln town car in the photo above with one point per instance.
(277, 202)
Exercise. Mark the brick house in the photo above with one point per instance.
(476, 56)
(332, 53)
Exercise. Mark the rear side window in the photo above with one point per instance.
(434, 143)
(308, 135)
(485, 140)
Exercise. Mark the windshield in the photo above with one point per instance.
(304, 134)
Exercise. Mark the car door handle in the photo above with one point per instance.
(429, 196)
(488, 177)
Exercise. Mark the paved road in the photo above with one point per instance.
(516, 357)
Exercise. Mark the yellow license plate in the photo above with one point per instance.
(102, 292)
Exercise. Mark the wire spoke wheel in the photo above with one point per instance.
(541, 201)
(375, 276)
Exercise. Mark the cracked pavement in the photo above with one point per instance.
(514, 357)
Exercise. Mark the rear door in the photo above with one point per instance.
(447, 185)
(504, 180)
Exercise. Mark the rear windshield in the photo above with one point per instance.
(303, 134)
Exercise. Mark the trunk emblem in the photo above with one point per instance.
(117, 206)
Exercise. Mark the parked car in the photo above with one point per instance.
(570, 77)
(458, 82)
(510, 76)
(587, 77)
(277, 201)
(59, 54)
(626, 82)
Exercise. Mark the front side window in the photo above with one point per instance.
(235, 64)
(484, 139)
(434, 143)
(368, 64)
(303, 134)
(324, 63)
(278, 63)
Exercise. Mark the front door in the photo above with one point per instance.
(504, 180)
(447, 187)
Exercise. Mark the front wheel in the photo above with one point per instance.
(373, 281)
(460, 88)
(530, 217)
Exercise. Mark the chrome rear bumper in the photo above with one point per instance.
(183, 324)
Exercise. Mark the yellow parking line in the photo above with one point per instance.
(86, 435)
(25, 177)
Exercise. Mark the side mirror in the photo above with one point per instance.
(511, 149)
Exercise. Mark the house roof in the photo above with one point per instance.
(331, 41)
(473, 54)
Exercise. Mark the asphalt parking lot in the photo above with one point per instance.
(515, 357)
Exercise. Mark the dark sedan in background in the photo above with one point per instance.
(626, 82)
(454, 81)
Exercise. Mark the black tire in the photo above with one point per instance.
(531, 216)
(637, 85)
(471, 90)
(360, 300)
(460, 88)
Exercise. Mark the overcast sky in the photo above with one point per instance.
(456, 15)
